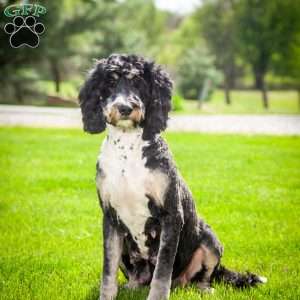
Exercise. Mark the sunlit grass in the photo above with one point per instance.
(246, 102)
(247, 188)
(243, 101)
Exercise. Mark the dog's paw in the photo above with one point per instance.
(107, 296)
(208, 290)
(131, 285)
(159, 291)
(205, 288)
(158, 297)
(108, 292)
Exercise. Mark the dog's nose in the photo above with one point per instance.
(124, 110)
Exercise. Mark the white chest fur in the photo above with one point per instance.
(124, 181)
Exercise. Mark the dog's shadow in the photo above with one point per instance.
(123, 293)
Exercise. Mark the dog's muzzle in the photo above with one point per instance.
(124, 110)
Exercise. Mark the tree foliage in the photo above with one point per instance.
(194, 68)
(224, 35)
(264, 29)
(218, 28)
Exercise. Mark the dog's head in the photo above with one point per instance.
(126, 91)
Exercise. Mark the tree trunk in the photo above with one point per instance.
(299, 98)
(265, 96)
(200, 102)
(231, 73)
(18, 93)
(204, 92)
(55, 75)
(258, 80)
(261, 85)
(227, 92)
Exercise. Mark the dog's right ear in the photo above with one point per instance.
(90, 98)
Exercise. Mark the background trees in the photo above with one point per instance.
(219, 29)
(266, 29)
(196, 71)
(244, 39)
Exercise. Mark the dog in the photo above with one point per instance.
(150, 226)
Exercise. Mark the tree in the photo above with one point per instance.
(182, 34)
(63, 22)
(194, 69)
(218, 28)
(287, 64)
(142, 25)
(264, 29)
(63, 39)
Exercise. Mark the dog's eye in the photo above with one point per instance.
(111, 82)
(136, 81)
(112, 78)
(115, 76)
(135, 104)
(130, 76)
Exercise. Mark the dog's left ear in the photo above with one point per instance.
(159, 104)
(90, 100)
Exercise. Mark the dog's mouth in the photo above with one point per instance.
(125, 123)
(128, 119)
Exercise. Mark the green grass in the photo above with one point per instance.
(247, 188)
(246, 102)
(68, 89)
(243, 101)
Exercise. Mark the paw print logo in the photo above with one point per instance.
(24, 32)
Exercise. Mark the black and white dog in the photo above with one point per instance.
(150, 226)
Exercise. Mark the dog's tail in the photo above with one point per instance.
(236, 279)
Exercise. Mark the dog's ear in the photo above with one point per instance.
(159, 104)
(90, 100)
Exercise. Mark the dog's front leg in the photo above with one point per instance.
(113, 244)
(161, 282)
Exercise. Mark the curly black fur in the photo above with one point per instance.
(236, 279)
(90, 100)
(153, 84)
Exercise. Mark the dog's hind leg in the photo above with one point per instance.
(195, 266)
(202, 265)
(210, 261)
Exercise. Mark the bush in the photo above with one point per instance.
(177, 102)
(195, 68)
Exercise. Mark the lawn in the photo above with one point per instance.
(247, 188)
(243, 101)
(246, 102)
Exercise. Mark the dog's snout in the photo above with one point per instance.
(124, 110)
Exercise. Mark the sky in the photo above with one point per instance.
(178, 6)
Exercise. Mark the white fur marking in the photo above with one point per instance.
(125, 123)
(121, 99)
(126, 180)
(115, 76)
(263, 279)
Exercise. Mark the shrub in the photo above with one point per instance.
(195, 68)
(177, 102)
